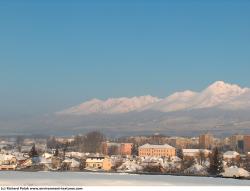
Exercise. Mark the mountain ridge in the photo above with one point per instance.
(218, 94)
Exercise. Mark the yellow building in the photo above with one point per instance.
(107, 164)
(95, 163)
(157, 150)
(7, 162)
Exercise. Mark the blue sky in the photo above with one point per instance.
(55, 54)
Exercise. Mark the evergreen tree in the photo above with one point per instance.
(33, 152)
(180, 154)
(82, 164)
(135, 149)
(56, 152)
(216, 162)
(65, 148)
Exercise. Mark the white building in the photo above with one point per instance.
(195, 152)
(230, 155)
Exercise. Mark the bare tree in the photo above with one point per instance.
(19, 142)
(201, 157)
(65, 148)
(187, 162)
(51, 143)
(113, 150)
(92, 141)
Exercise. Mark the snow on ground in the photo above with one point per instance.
(15, 178)
(130, 166)
(197, 170)
(234, 171)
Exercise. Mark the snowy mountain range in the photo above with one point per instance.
(221, 108)
(111, 106)
(218, 95)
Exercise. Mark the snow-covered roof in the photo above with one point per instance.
(130, 166)
(44, 160)
(193, 152)
(151, 159)
(230, 154)
(19, 156)
(113, 144)
(75, 154)
(47, 155)
(4, 157)
(67, 161)
(73, 163)
(26, 148)
(95, 160)
(149, 146)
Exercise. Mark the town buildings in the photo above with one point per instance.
(235, 142)
(182, 142)
(112, 148)
(206, 141)
(246, 140)
(157, 150)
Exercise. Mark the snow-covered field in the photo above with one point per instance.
(15, 178)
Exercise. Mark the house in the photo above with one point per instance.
(77, 155)
(45, 163)
(7, 159)
(235, 172)
(26, 149)
(56, 162)
(26, 164)
(231, 155)
(98, 163)
(7, 162)
(107, 164)
(70, 164)
(157, 150)
(20, 157)
(94, 162)
(47, 155)
(195, 153)
(8, 167)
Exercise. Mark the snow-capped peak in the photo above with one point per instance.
(219, 94)
(111, 105)
(222, 87)
(182, 95)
